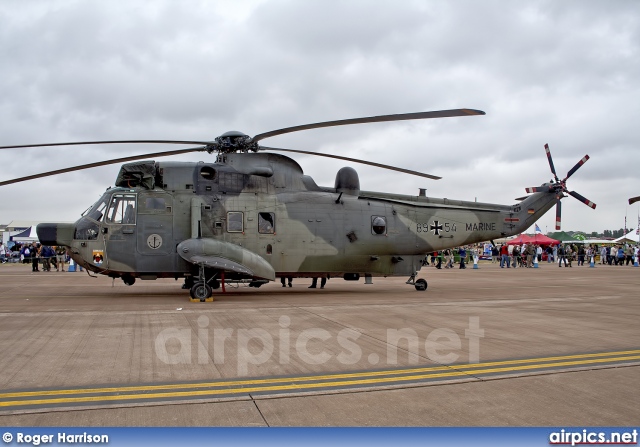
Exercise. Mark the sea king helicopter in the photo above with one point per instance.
(252, 216)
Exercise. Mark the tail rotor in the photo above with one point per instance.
(560, 186)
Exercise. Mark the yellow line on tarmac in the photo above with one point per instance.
(307, 378)
(480, 369)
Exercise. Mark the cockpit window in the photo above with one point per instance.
(122, 209)
(97, 210)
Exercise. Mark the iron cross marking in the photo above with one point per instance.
(435, 227)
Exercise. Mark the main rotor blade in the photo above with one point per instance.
(582, 161)
(355, 160)
(583, 199)
(371, 119)
(101, 163)
(553, 169)
(633, 200)
(78, 143)
(538, 189)
(558, 214)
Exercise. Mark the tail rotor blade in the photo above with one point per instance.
(577, 166)
(558, 214)
(553, 169)
(633, 200)
(583, 199)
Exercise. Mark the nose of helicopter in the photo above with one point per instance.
(55, 233)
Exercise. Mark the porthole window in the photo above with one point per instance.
(378, 225)
(208, 173)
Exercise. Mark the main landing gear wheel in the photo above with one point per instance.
(201, 291)
(128, 280)
(421, 284)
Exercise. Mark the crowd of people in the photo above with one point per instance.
(448, 256)
(37, 255)
(525, 255)
(565, 254)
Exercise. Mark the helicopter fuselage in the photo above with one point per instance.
(263, 216)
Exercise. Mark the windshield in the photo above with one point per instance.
(97, 210)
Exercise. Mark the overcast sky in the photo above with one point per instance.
(566, 73)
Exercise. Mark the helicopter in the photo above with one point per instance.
(253, 215)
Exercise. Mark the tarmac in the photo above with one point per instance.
(543, 346)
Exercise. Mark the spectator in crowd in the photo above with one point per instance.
(581, 255)
(530, 252)
(46, 254)
(61, 256)
(515, 256)
(562, 256)
(4, 253)
(463, 256)
(504, 257)
(629, 253)
(569, 254)
(620, 256)
(34, 252)
(549, 252)
(439, 256)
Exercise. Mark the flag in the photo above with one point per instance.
(538, 230)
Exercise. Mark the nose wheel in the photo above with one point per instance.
(201, 291)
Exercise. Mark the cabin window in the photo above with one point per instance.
(266, 223)
(235, 222)
(122, 209)
(155, 203)
(269, 249)
(378, 225)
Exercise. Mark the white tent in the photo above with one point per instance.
(630, 237)
(28, 235)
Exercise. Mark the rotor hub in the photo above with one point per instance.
(233, 141)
